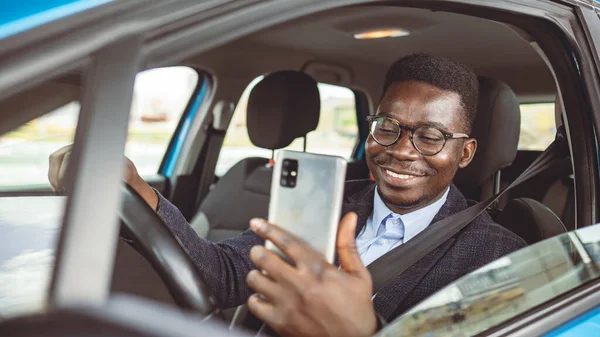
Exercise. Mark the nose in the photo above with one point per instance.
(403, 149)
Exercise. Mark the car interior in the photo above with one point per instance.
(360, 65)
(284, 105)
(285, 63)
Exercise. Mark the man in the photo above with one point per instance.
(418, 140)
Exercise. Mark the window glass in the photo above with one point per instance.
(29, 231)
(538, 127)
(336, 133)
(159, 99)
(24, 152)
(30, 223)
(505, 288)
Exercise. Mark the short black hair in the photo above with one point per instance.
(442, 73)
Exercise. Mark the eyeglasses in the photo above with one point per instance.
(428, 140)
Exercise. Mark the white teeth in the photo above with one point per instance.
(399, 176)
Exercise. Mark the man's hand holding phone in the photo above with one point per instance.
(311, 297)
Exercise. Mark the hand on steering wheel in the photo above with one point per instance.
(151, 236)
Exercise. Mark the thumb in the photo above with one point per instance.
(56, 167)
(346, 246)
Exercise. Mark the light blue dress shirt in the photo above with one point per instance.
(386, 230)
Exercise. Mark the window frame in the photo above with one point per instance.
(178, 138)
(362, 111)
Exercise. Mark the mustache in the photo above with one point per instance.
(409, 166)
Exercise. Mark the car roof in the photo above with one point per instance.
(327, 38)
(18, 16)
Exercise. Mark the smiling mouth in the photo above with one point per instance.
(402, 176)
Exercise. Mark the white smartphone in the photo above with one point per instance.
(306, 198)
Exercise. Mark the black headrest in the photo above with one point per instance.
(496, 128)
(282, 107)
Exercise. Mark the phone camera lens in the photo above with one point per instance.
(292, 183)
(284, 182)
(285, 173)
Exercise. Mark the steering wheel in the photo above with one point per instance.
(153, 239)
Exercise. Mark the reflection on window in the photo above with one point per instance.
(505, 288)
(336, 133)
(537, 126)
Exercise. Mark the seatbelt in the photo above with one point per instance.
(207, 174)
(390, 265)
(192, 187)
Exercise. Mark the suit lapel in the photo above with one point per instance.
(359, 199)
(392, 295)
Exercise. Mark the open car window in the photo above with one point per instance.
(538, 128)
(159, 100)
(24, 152)
(505, 288)
(31, 215)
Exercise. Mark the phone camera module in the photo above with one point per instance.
(289, 173)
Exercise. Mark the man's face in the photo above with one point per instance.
(406, 179)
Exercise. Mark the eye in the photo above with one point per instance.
(430, 136)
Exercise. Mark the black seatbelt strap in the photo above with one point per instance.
(192, 188)
(396, 261)
(207, 174)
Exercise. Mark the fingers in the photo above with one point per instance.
(57, 167)
(294, 248)
(346, 246)
(264, 286)
(131, 175)
(263, 310)
(268, 261)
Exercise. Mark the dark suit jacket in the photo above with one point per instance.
(225, 264)
(480, 242)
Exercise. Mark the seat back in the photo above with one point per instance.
(531, 220)
(546, 202)
(282, 107)
(496, 129)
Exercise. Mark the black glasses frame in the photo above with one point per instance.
(411, 129)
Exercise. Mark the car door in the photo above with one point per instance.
(548, 289)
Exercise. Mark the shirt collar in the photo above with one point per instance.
(414, 222)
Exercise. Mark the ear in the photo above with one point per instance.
(469, 148)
